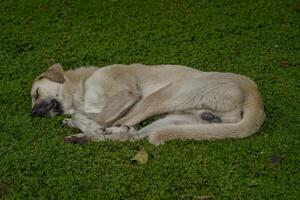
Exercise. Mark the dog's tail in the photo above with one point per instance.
(253, 118)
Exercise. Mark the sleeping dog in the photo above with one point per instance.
(107, 102)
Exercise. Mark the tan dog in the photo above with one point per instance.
(107, 102)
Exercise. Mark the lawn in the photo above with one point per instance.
(260, 39)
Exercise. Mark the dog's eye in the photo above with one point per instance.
(36, 94)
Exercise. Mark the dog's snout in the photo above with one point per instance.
(40, 109)
(47, 109)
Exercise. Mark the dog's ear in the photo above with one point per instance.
(54, 73)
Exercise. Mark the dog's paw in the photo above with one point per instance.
(119, 129)
(156, 140)
(119, 133)
(83, 138)
(99, 131)
(77, 139)
(67, 122)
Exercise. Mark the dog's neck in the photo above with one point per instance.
(74, 88)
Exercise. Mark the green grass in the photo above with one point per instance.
(260, 39)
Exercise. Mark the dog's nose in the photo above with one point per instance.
(34, 112)
(40, 109)
(37, 112)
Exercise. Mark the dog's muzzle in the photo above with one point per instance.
(47, 109)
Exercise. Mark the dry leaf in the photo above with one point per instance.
(141, 157)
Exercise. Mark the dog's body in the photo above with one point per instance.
(106, 102)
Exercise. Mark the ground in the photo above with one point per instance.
(260, 39)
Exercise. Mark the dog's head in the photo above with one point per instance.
(47, 92)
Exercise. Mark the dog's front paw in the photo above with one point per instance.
(156, 140)
(119, 129)
(119, 133)
(67, 122)
(83, 138)
(77, 139)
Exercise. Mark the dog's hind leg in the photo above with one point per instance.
(195, 94)
(160, 102)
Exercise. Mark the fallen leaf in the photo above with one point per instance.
(141, 157)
